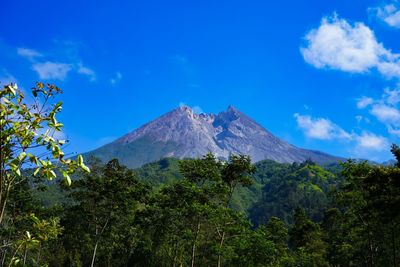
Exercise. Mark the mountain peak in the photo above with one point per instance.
(232, 108)
(184, 108)
(181, 133)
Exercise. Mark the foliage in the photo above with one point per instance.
(303, 185)
(162, 172)
(188, 212)
(368, 216)
(27, 139)
(106, 202)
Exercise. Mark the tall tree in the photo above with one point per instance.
(27, 140)
(370, 198)
(100, 223)
(306, 240)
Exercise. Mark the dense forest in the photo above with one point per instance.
(190, 212)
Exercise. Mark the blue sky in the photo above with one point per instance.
(320, 74)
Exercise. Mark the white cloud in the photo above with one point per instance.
(364, 102)
(28, 53)
(320, 128)
(337, 44)
(323, 129)
(116, 79)
(389, 69)
(390, 14)
(362, 119)
(52, 70)
(392, 96)
(57, 70)
(86, 71)
(370, 141)
(394, 131)
(385, 113)
(385, 109)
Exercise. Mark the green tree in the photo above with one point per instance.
(189, 222)
(306, 241)
(100, 224)
(27, 141)
(278, 233)
(226, 176)
(370, 200)
(303, 185)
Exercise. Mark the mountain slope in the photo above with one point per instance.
(183, 134)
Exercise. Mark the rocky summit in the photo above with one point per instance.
(181, 133)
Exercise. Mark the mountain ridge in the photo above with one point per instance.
(182, 133)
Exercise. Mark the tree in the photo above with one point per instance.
(277, 232)
(305, 185)
(370, 199)
(220, 179)
(101, 221)
(306, 240)
(27, 140)
(189, 222)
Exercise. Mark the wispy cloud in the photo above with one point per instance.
(320, 128)
(370, 141)
(360, 145)
(392, 97)
(49, 69)
(337, 44)
(390, 14)
(28, 53)
(385, 109)
(116, 79)
(52, 70)
(364, 102)
(86, 71)
(385, 113)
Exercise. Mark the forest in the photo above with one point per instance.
(58, 210)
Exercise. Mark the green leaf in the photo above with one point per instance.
(80, 160)
(85, 168)
(33, 159)
(52, 174)
(58, 126)
(12, 88)
(53, 118)
(67, 179)
(15, 261)
(13, 166)
(22, 156)
(35, 219)
(36, 171)
(58, 107)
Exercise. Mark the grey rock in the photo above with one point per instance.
(181, 133)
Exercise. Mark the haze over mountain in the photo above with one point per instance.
(181, 133)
